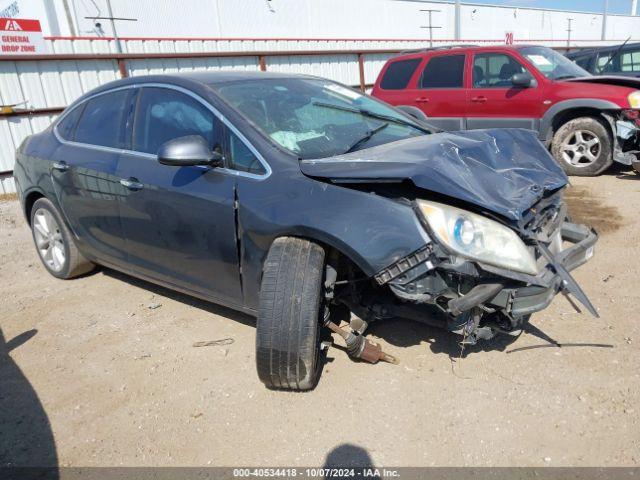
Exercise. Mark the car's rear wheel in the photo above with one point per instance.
(54, 242)
(289, 315)
(583, 147)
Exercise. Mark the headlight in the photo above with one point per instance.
(478, 238)
(634, 99)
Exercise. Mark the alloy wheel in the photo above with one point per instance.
(581, 148)
(49, 240)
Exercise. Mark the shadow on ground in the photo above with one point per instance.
(26, 438)
(347, 456)
(407, 333)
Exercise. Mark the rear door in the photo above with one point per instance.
(493, 101)
(179, 222)
(439, 90)
(84, 172)
(392, 85)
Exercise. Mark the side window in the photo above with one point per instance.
(630, 61)
(101, 120)
(398, 74)
(164, 114)
(584, 62)
(494, 70)
(67, 126)
(241, 158)
(604, 65)
(445, 71)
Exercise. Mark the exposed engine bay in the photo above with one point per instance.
(495, 251)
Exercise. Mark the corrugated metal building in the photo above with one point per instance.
(342, 28)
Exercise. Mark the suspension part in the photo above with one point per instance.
(360, 347)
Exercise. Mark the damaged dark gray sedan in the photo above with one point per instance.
(296, 199)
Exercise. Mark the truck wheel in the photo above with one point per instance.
(289, 315)
(583, 147)
(54, 242)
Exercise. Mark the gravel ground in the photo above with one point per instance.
(101, 371)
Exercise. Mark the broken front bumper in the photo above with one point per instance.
(459, 286)
(533, 298)
(626, 145)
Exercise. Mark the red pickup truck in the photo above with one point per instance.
(587, 122)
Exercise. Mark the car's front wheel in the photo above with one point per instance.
(289, 315)
(583, 147)
(54, 242)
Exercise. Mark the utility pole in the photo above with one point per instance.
(113, 27)
(569, 20)
(458, 33)
(604, 19)
(634, 7)
(430, 26)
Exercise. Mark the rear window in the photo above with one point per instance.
(101, 120)
(399, 73)
(630, 61)
(444, 71)
(66, 127)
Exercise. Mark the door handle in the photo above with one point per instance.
(422, 100)
(480, 99)
(61, 166)
(131, 183)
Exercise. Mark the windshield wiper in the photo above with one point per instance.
(369, 113)
(367, 136)
(615, 54)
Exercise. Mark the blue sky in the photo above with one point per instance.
(615, 6)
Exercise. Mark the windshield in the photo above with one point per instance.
(315, 118)
(553, 65)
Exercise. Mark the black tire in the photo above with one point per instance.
(289, 316)
(583, 158)
(74, 263)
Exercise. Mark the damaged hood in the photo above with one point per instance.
(502, 170)
(618, 81)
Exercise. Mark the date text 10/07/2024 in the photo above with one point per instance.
(363, 472)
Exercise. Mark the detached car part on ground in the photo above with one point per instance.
(297, 200)
(586, 122)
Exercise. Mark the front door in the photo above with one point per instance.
(84, 173)
(494, 102)
(440, 93)
(179, 222)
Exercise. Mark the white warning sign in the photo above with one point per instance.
(21, 37)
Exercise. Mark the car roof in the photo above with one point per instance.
(223, 76)
(459, 49)
(591, 51)
(191, 80)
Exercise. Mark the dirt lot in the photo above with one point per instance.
(101, 371)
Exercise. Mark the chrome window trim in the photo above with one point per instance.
(198, 98)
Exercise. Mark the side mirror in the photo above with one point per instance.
(188, 151)
(523, 80)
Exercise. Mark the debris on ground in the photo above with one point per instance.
(214, 343)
